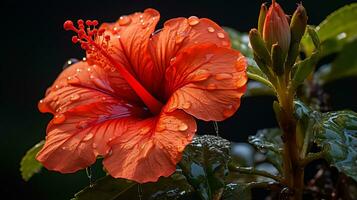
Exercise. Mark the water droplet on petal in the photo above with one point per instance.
(220, 35)
(183, 127)
(210, 29)
(225, 43)
(43, 106)
(124, 20)
(223, 76)
(229, 112)
(73, 80)
(193, 20)
(179, 38)
(160, 128)
(241, 63)
(211, 86)
(59, 119)
(82, 124)
(186, 105)
(172, 60)
(75, 97)
(69, 63)
(201, 75)
(88, 137)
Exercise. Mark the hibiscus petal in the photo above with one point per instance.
(206, 81)
(128, 44)
(89, 104)
(179, 33)
(150, 148)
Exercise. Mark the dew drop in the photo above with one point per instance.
(88, 137)
(211, 86)
(183, 127)
(84, 58)
(225, 43)
(78, 70)
(43, 106)
(229, 112)
(160, 128)
(210, 29)
(220, 35)
(89, 69)
(124, 20)
(59, 119)
(104, 98)
(75, 97)
(172, 60)
(179, 38)
(82, 124)
(186, 105)
(241, 63)
(201, 75)
(73, 80)
(193, 20)
(223, 76)
(70, 62)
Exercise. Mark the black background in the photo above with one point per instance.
(34, 48)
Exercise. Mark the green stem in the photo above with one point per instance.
(312, 156)
(293, 172)
(251, 170)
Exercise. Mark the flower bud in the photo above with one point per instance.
(276, 28)
(259, 47)
(297, 27)
(262, 15)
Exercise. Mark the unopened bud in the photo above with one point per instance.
(297, 27)
(276, 28)
(262, 15)
(259, 47)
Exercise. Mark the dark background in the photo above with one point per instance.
(34, 48)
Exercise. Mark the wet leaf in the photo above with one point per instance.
(173, 187)
(268, 141)
(345, 65)
(255, 73)
(335, 31)
(336, 132)
(241, 191)
(106, 188)
(29, 165)
(205, 164)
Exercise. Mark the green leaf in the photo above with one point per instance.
(303, 69)
(268, 141)
(106, 188)
(241, 191)
(345, 65)
(240, 41)
(255, 88)
(109, 188)
(205, 164)
(337, 132)
(336, 30)
(255, 73)
(29, 165)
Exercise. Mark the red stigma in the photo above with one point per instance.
(86, 32)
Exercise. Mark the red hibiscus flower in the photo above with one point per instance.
(133, 100)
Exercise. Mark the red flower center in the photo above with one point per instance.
(86, 37)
